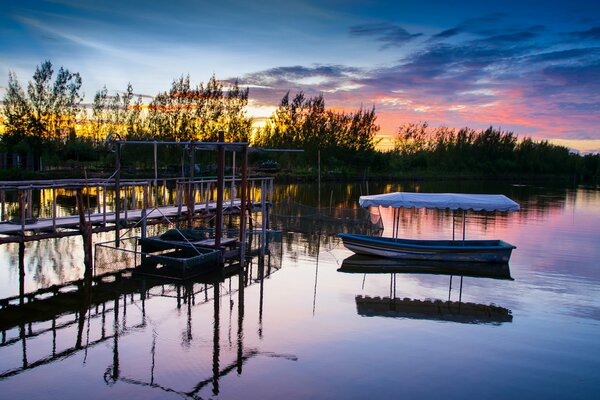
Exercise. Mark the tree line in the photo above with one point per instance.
(48, 121)
(489, 151)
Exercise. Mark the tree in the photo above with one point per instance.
(16, 112)
(54, 105)
(305, 123)
(200, 113)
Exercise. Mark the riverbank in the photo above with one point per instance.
(288, 176)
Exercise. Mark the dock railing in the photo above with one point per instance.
(33, 206)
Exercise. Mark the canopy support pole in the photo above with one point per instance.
(453, 224)
(464, 225)
(393, 222)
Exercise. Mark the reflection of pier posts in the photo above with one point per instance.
(240, 333)
(23, 336)
(115, 369)
(261, 277)
(21, 273)
(216, 348)
(86, 299)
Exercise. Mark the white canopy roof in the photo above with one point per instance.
(452, 201)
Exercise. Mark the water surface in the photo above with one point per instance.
(292, 325)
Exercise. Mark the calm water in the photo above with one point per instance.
(292, 325)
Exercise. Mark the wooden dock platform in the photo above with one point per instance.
(48, 227)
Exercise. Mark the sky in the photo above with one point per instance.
(530, 67)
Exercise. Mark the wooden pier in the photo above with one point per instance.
(134, 210)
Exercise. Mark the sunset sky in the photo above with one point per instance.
(530, 67)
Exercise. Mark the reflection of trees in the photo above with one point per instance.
(295, 208)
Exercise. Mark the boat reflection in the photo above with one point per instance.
(451, 311)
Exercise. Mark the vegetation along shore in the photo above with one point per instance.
(47, 131)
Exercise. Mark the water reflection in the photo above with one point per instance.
(106, 309)
(451, 311)
(290, 325)
(295, 209)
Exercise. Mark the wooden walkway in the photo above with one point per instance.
(43, 228)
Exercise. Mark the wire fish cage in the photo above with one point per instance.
(297, 217)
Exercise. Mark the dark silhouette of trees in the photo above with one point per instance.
(489, 151)
(46, 114)
(199, 113)
(345, 140)
(46, 120)
(305, 123)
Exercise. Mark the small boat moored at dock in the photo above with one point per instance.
(435, 250)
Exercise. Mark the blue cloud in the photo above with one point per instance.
(590, 34)
(388, 34)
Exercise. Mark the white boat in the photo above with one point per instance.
(437, 250)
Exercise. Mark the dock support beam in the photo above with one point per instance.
(117, 194)
(85, 227)
(220, 187)
(244, 188)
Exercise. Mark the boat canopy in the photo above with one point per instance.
(452, 201)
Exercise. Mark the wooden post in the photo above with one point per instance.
(178, 191)
(220, 188)
(54, 209)
(133, 198)
(232, 194)
(155, 174)
(22, 211)
(30, 203)
(125, 205)
(263, 215)
(21, 273)
(3, 195)
(191, 201)
(269, 202)
(263, 203)
(208, 186)
(144, 211)
(86, 231)
(243, 188)
(104, 205)
(118, 194)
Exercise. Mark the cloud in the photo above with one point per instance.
(389, 34)
(315, 78)
(572, 55)
(590, 34)
(479, 26)
(511, 78)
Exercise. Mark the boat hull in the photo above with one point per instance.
(436, 250)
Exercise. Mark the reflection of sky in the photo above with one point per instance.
(307, 309)
(521, 66)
